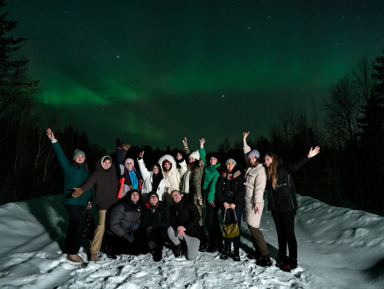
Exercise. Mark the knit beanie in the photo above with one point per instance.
(195, 155)
(254, 153)
(129, 160)
(78, 153)
(151, 194)
(231, 160)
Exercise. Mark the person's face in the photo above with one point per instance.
(79, 159)
(153, 200)
(155, 170)
(106, 164)
(167, 166)
(129, 166)
(176, 197)
(252, 160)
(268, 160)
(191, 160)
(213, 161)
(135, 197)
(230, 166)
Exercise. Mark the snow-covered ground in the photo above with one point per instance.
(338, 248)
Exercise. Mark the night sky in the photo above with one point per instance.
(152, 72)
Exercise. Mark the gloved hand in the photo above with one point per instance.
(118, 143)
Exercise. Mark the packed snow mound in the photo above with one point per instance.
(338, 248)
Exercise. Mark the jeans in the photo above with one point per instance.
(75, 229)
(230, 218)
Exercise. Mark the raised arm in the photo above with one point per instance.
(63, 161)
(143, 169)
(246, 147)
(202, 151)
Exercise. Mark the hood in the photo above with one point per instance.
(169, 158)
(99, 167)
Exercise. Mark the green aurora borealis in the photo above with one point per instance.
(152, 72)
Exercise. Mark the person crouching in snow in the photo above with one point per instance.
(75, 174)
(172, 174)
(130, 178)
(123, 235)
(184, 229)
(105, 181)
(153, 181)
(155, 221)
(283, 204)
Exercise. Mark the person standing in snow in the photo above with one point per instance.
(229, 196)
(105, 180)
(192, 186)
(255, 182)
(184, 226)
(153, 181)
(211, 175)
(123, 235)
(172, 174)
(283, 204)
(130, 178)
(155, 221)
(75, 174)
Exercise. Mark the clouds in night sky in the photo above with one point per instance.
(152, 72)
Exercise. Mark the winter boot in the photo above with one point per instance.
(75, 258)
(281, 259)
(254, 255)
(264, 261)
(178, 250)
(289, 265)
(236, 255)
(226, 253)
(157, 254)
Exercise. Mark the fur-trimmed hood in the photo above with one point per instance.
(169, 158)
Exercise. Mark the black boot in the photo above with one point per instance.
(264, 261)
(157, 254)
(226, 253)
(178, 250)
(281, 259)
(236, 255)
(290, 264)
(254, 255)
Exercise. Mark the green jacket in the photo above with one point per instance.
(211, 175)
(74, 176)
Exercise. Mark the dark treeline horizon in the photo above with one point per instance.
(348, 172)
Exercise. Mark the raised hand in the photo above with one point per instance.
(141, 154)
(185, 142)
(245, 135)
(202, 142)
(126, 146)
(50, 134)
(313, 152)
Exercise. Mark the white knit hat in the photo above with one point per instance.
(195, 155)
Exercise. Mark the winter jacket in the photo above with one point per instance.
(148, 181)
(255, 182)
(125, 184)
(230, 188)
(125, 218)
(192, 185)
(106, 185)
(156, 217)
(173, 176)
(185, 214)
(74, 176)
(284, 197)
(211, 175)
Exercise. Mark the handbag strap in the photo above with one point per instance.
(225, 214)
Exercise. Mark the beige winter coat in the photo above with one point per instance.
(255, 182)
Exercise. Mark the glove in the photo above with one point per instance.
(118, 143)
(77, 192)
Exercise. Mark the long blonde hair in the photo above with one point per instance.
(272, 169)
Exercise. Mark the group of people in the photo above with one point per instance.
(143, 210)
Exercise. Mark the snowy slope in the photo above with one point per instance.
(338, 248)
